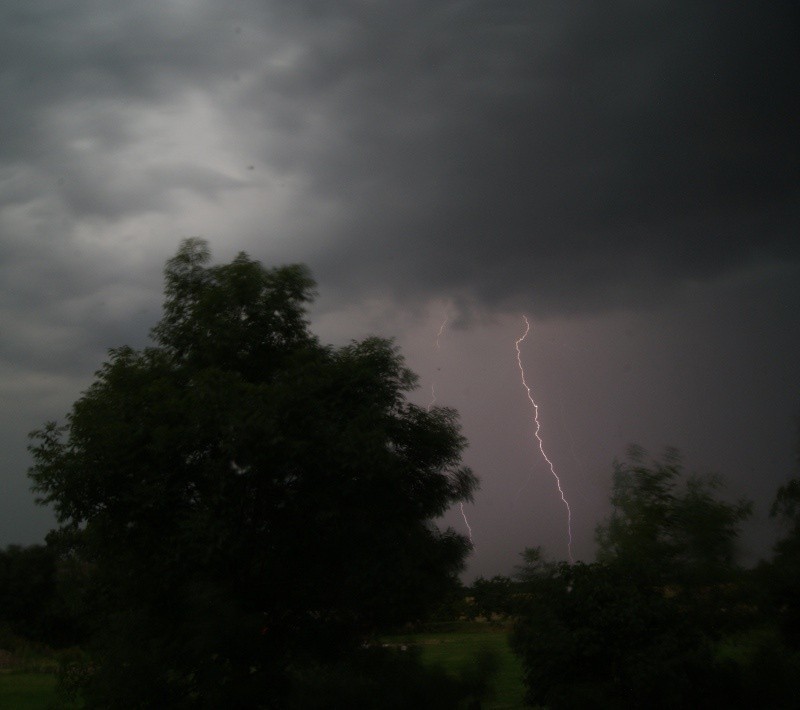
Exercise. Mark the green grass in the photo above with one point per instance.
(452, 650)
(31, 691)
(455, 650)
(27, 691)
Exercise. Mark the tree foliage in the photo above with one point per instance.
(669, 528)
(493, 598)
(783, 571)
(248, 497)
(590, 637)
(638, 628)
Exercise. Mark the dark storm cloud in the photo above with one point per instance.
(577, 155)
(585, 157)
(106, 191)
(83, 85)
(76, 80)
(89, 49)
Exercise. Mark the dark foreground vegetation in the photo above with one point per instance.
(245, 508)
(246, 520)
(665, 618)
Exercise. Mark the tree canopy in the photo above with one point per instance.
(638, 628)
(247, 496)
(667, 526)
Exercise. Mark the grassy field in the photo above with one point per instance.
(453, 650)
(27, 691)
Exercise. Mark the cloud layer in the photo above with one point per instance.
(584, 158)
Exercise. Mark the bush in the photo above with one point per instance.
(75, 671)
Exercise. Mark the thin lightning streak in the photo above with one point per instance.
(441, 330)
(433, 398)
(466, 522)
(539, 438)
(438, 346)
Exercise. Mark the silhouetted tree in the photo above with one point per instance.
(249, 500)
(669, 528)
(34, 596)
(639, 627)
(493, 597)
(783, 572)
(27, 589)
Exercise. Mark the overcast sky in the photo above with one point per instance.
(623, 173)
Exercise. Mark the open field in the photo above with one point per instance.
(454, 650)
(28, 691)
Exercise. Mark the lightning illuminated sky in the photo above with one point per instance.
(537, 430)
(536, 433)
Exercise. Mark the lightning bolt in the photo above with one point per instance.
(539, 438)
(438, 346)
(441, 330)
(466, 522)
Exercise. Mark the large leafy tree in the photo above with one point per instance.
(640, 627)
(249, 499)
(667, 528)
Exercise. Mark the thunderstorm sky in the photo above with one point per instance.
(624, 174)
